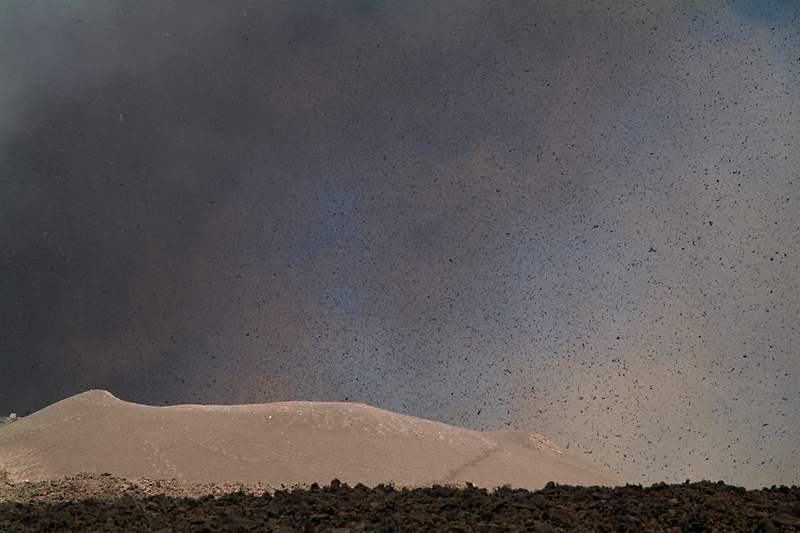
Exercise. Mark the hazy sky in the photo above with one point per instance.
(578, 218)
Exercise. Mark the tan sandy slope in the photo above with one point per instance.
(282, 443)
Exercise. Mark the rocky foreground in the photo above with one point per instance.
(105, 503)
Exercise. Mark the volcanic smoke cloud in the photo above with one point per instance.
(578, 218)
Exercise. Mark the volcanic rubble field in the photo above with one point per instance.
(91, 502)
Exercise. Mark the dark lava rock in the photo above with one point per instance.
(115, 504)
